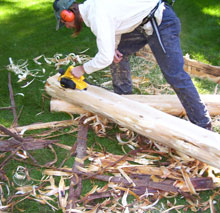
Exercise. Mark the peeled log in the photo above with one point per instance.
(166, 103)
(169, 130)
(57, 105)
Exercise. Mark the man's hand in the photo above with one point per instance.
(118, 56)
(78, 71)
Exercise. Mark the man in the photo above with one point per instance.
(121, 28)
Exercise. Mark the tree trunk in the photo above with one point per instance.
(166, 103)
(174, 132)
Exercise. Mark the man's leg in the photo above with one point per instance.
(171, 65)
(121, 72)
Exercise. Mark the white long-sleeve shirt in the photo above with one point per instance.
(108, 19)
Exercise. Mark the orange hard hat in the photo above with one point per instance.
(67, 15)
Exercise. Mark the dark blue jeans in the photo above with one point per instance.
(171, 65)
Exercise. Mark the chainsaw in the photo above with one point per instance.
(67, 80)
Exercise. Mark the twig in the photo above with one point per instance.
(12, 100)
(69, 154)
(32, 158)
(5, 108)
(8, 132)
(9, 157)
(25, 144)
(96, 195)
(51, 125)
(43, 97)
(19, 114)
(25, 196)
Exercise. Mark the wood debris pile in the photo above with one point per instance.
(136, 181)
(23, 72)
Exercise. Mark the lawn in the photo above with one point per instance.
(28, 31)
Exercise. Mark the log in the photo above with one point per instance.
(201, 70)
(57, 105)
(193, 67)
(169, 130)
(166, 103)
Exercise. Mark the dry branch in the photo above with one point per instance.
(5, 108)
(12, 100)
(47, 125)
(174, 132)
(16, 142)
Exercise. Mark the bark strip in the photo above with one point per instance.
(80, 152)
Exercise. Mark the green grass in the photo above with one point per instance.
(27, 30)
(200, 29)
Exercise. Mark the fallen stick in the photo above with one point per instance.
(166, 103)
(53, 124)
(8, 132)
(171, 131)
(5, 108)
(19, 143)
(27, 144)
(95, 196)
(12, 100)
(5, 161)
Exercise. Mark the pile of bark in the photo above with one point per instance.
(147, 173)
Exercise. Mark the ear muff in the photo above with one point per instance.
(67, 15)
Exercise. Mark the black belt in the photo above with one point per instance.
(150, 17)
